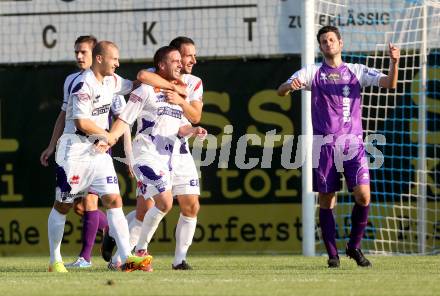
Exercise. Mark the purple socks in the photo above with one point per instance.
(90, 227)
(102, 220)
(359, 220)
(328, 230)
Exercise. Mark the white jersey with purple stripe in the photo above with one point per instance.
(91, 99)
(336, 96)
(158, 121)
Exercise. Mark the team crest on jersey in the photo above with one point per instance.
(74, 180)
(323, 76)
(160, 98)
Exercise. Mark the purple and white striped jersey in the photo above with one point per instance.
(336, 96)
(158, 121)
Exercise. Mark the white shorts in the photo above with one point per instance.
(153, 175)
(76, 179)
(185, 178)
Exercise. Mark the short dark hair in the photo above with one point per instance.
(178, 41)
(101, 47)
(87, 38)
(327, 29)
(161, 54)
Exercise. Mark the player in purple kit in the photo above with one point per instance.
(337, 126)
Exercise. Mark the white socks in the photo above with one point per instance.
(55, 231)
(151, 222)
(130, 216)
(186, 227)
(135, 231)
(118, 229)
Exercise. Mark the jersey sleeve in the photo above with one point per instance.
(122, 86)
(305, 75)
(365, 75)
(81, 97)
(184, 121)
(65, 95)
(197, 93)
(135, 103)
(118, 104)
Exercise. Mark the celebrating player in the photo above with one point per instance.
(159, 124)
(336, 118)
(185, 178)
(82, 165)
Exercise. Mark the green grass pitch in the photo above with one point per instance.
(229, 275)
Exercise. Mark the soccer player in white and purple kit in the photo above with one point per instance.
(159, 123)
(336, 119)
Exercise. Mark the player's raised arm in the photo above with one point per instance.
(285, 88)
(390, 81)
(156, 80)
(192, 110)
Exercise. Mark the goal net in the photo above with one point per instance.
(405, 189)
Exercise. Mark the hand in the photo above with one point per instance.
(101, 146)
(180, 88)
(44, 157)
(394, 53)
(296, 84)
(200, 132)
(173, 97)
(130, 171)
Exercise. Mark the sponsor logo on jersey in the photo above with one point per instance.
(96, 99)
(101, 110)
(169, 111)
(334, 76)
(74, 180)
(346, 104)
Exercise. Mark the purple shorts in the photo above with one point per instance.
(327, 174)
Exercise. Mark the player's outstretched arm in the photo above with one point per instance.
(155, 80)
(285, 88)
(56, 134)
(188, 131)
(390, 81)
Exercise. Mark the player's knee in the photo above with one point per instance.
(327, 200)
(190, 210)
(140, 214)
(164, 207)
(363, 200)
(112, 201)
(62, 208)
(78, 208)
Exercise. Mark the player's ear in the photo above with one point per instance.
(341, 43)
(161, 65)
(99, 58)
